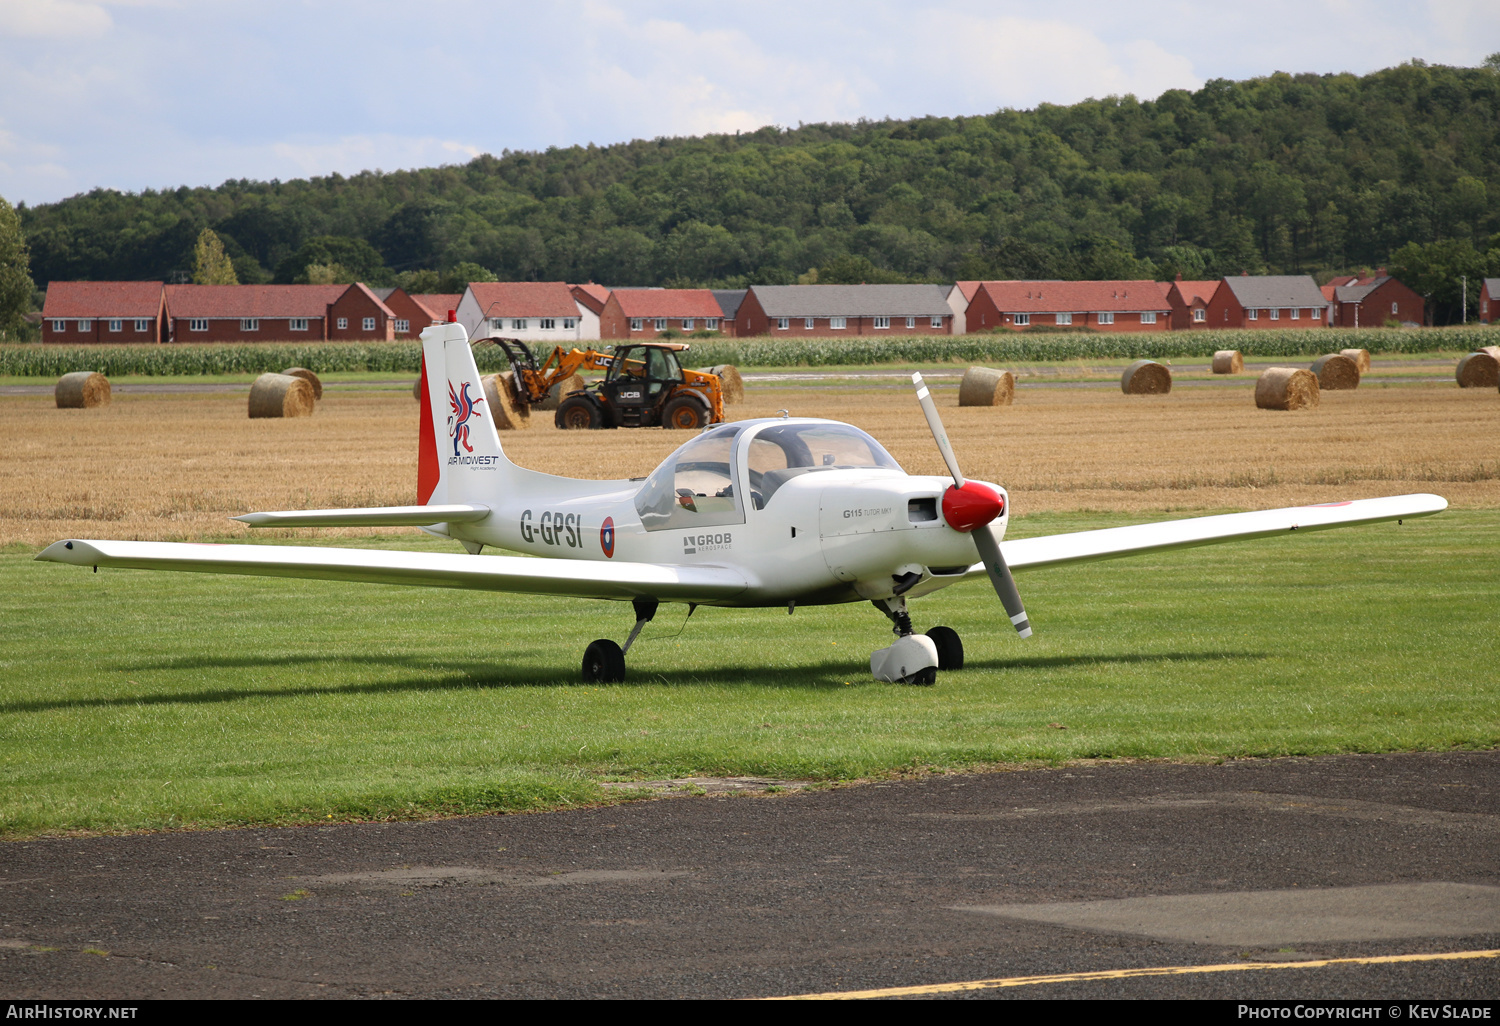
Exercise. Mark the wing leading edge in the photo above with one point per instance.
(579, 578)
(1114, 542)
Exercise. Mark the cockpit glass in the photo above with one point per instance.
(693, 487)
(779, 453)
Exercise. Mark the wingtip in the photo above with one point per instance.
(69, 550)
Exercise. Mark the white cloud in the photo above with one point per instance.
(58, 19)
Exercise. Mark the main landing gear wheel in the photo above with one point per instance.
(684, 414)
(950, 648)
(603, 663)
(576, 413)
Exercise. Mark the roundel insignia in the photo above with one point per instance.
(607, 537)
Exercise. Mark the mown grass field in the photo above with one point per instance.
(137, 701)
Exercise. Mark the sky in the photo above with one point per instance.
(153, 94)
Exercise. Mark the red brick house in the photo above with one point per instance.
(1189, 301)
(358, 315)
(645, 313)
(1489, 301)
(251, 313)
(79, 312)
(783, 311)
(1268, 301)
(410, 314)
(1370, 302)
(1100, 305)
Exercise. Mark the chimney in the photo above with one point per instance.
(1380, 272)
(1179, 275)
(1244, 274)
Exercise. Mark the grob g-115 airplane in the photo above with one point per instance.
(776, 512)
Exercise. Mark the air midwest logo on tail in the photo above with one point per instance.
(463, 408)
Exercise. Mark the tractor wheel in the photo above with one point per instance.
(684, 414)
(578, 412)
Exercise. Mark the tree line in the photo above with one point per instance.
(1307, 173)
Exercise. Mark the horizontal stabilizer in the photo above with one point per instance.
(576, 577)
(374, 516)
(1114, 542)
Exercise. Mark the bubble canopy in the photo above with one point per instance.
(695, 486)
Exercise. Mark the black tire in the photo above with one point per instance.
(577, 412)
(950, 648)
(684, 414)
(603, 663)
(924, 678)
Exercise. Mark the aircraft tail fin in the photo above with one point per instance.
(459, 456)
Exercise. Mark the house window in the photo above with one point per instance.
(637, 323)
(297, 324)
(496, 323)
(882, 322)
(115, 324)
(569, 323)
(86, 325)
(59, 325)
(687, 324)
(548, 324)
(659, 324)
(402, 325)
(937, 322)
(198, 324)
(1149, 317)
(1023, 318)
(368, 324)
(249, 324)
(838, 323)
(807, 322)
(1108, 317)
(1200, 315)
(1064, 318)
(1296, 312)
(1275, 313)
(911, 322)
(711, 323)
(142, 324)
(783, 323)
(1254, 314)
(1393, 309)
(518, 324)
(343, 323)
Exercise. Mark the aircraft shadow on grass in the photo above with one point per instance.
(456, 676)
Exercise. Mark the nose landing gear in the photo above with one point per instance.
(914, 658)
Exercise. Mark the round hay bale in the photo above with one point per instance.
(1492, 350)
(1478, 370)
(557, 391)
(500, 396)
(1361, 358)
(1336, 372)
(1146, 377)
(984, 387)
(81, 390)
(1286, 388)
(1228, 361)
(730, 380)
(416, 390)
(307, 376)
(281, 395)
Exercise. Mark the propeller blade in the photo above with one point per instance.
(938, 434)
(1000, 577)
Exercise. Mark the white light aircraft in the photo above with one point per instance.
(769, 512)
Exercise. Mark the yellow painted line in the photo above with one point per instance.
(1125, 974)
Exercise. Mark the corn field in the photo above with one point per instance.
(404, 358)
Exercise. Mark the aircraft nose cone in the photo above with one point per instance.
(971, 506)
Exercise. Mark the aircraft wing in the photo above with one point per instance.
(575, 577)
(1114, 542)
(377, 516)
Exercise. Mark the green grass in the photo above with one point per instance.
(132, 700)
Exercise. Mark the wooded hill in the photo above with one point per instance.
(1283, 174)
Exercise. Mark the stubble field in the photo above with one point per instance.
(144, 701)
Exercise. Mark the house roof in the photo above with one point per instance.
(1276, 290)
(729, 300)
(1194, 291)
(523, 299)
(853, 300)
(102, 299)
(1075, 296)
(591, 295)
(438, 303)
(968, 288)
(1358, 290)
(1328, 291)
(385, 293)
(252, 300)
(1493, 286)
(668, 303)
